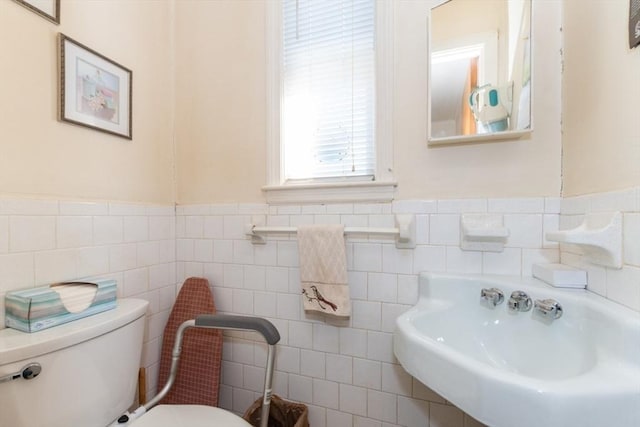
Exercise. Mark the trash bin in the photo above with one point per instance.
(282, 413)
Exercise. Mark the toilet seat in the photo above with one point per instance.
(189, 416)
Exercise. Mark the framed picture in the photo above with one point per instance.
(94, 91)
(48, 9)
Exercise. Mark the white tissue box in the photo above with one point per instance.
(31, 310)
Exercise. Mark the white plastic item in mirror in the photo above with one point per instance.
(480, 71)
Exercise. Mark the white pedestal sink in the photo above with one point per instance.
(521, 369)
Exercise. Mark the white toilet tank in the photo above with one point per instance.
(89, 370)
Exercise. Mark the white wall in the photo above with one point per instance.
(221, 109)
(46, 158)
(601, 89)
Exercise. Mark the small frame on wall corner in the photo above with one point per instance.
(95, 91)
(48, 9)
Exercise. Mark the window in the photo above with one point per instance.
(329, 93)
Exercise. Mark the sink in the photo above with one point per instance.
(522, 369)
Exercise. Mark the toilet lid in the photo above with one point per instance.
(189, 416)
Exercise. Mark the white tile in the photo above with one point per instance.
(288, 254)
(301, 387)
(123, 257)
(525, 230)
(242, 351)
(396, 260)
(167, 297)
(381, 406)
(234, 226)
(264, 304)
(223, 298)
(342, 208)
(127, 209)
(353, 342)
(390, 313)
(515, 205)
(266, 254)
(339, 419)
(445, 416)
(242, 301)
(537, 256)
(508, 262)
(224, 209)
(16, 272)
(55, 266)
(414, 206)
(429, 258)
(380, 346)
(367, 208)
(383, 287)
(223, 251)
(550, 222)
(213, 227)
(312, 363)
(288, 210)
(623, 286)
(552, 205)
(366, 315)
(353, 399)
(382, 221)
(233, 276)
(365, 422)
(325, 393)
(74, 231)
(181, 228)
(396, 380)
(203, 250)
(367, 373)
(297, 220)
(277, 279)
(162, 227)
(631, 239)
(289, 306)
(108, 230)
(459, 261)
(422, 229)
(407, 289)
(574, 205)
(357, 281)
(148, 253)
(135, 282)
(412, 412)
(29, 207)
(339, 368)
(354, 220)
(185, 249)
(295, 286)
(83, 208)
(326, 338)
(462, 206)
(444, 229)
(253, 208)
(288, 359)
(4, 234)
(232, 374)
(300, 334)
(254, 378)
(162, 210)
(93, 261)
(254, 277)
(313, 209)
(367, 257)
(326, 219)
(242, 399)
(31, 233)
(242, 252)
(317, 415)
(136, 228)
(194, 227)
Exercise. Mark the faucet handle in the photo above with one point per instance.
(519, 301)
(549, 308)
(493, 295)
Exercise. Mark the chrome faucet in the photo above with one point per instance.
(549, 308)
(493, 296)
(519, 301)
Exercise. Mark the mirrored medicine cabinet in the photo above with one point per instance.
(480, 71)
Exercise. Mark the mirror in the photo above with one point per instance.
(479, 71)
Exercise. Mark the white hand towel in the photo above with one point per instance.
(323, 269)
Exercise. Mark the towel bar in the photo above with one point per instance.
(404, 232)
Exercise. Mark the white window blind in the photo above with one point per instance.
(328, 105)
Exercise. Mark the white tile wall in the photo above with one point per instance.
(44, 241)
(345, 371)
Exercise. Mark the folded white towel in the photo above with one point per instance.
(323, 269)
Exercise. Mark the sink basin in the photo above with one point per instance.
(522, 369)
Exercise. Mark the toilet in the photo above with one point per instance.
(84, 374)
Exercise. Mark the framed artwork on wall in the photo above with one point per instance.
(48, 9)
(95, 91)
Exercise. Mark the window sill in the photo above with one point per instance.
(340, 192)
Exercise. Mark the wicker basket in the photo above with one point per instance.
(282, 413)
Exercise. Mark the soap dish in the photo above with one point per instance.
(560, 275)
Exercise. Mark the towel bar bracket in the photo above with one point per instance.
(404, 232)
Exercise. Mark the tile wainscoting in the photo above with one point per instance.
(46, 241)
(345, 370)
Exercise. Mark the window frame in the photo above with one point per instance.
(344, 189)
